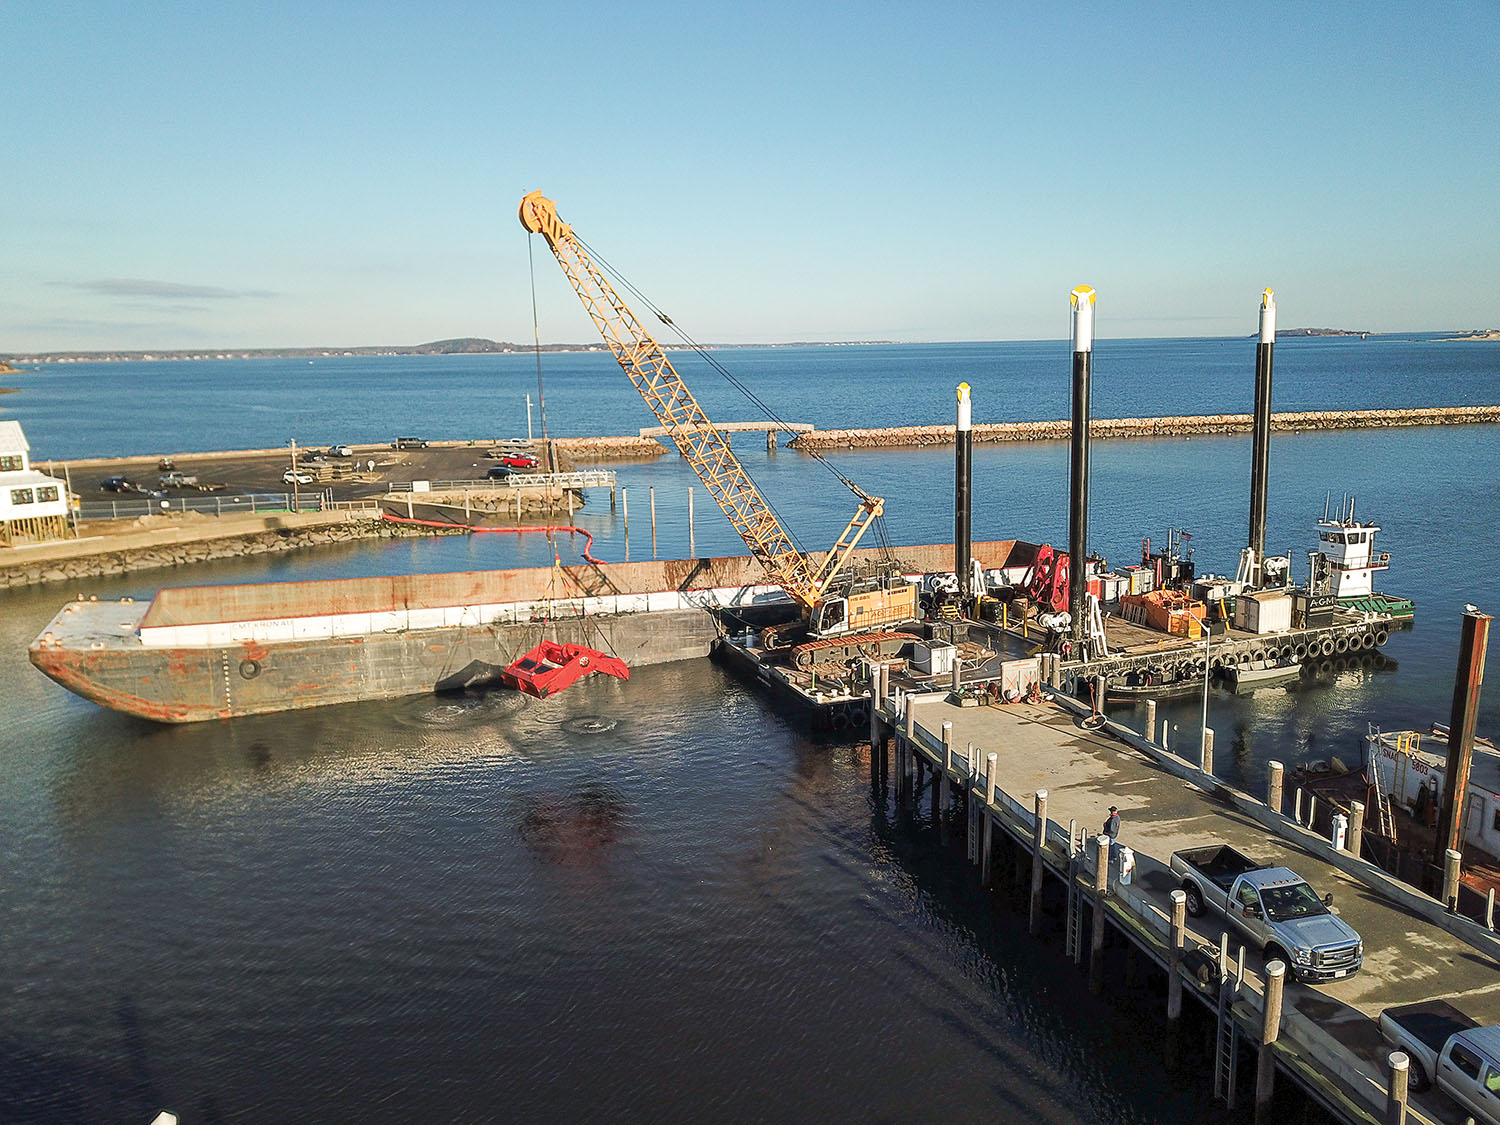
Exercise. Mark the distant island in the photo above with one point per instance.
(466, 345)
(7, 369)
(1476, 334)
(1280, 332)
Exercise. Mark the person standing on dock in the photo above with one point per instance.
(1112, 825)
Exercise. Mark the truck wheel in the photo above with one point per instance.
(1194, 900)
(1416, 1076)
(1276, 953)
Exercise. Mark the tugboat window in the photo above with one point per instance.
(20, 496)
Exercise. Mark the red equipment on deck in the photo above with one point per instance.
(550, 667)
(1049, 579)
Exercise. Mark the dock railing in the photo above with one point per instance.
(257, 503)
(588, 478)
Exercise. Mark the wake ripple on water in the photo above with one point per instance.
(458, 711)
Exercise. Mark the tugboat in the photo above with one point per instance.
(1345, 564)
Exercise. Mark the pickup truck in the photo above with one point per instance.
(1451, 1051)
(1274, 908)
(175, 479)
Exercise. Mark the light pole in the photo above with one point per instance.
(528, 418)
(295, 497)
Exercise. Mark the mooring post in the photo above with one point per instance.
(1174, 955)
(943, 799)
(1038, 842)
(653, 522)
(1452, 861)
(1356, 828)
(1150, 719)
(1101, 888)
(1163, 742)
(625, 510)
(1270, 1028)
(991, 762)
(1398, 1073)
(1099, 694)
(958, 677)
(1207, 764)
(1489, 911)
(1312, 810)
(1273, 786)
(1297, 805)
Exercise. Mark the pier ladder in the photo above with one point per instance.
(1227, 1038)
(1074, 944)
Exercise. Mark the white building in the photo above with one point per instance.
(33, 506)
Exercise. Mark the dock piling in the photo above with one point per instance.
(1452, 862)
(692, 542)
(991, 763)
(1150, 718)
(1038, 842)
(1207, 763)
(1265, 1067)
(943, 794)
(1274, 773)
(1356, 828)
(1489, 911)
(653, 522)
(1174, 955)
(1398, 1073)
(1101, 888)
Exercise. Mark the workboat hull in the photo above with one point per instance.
(216, 652)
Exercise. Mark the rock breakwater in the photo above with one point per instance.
(1184, 426)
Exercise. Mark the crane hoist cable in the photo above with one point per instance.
(882, 536)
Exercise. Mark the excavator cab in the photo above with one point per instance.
(830, 618)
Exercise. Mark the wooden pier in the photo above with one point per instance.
(1026, 786)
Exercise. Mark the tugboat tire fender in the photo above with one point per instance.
(1367, 641)
(1326, 647)
(1382, 636)
(1300, 651)
(1341, 645)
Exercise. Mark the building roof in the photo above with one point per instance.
(12, 439)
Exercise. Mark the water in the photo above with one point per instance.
(651, 899)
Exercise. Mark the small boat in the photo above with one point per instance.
(551, 667)
(1244, 678)
(1135, 688)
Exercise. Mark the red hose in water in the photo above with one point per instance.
(588, 537)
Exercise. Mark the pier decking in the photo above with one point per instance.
(994, 761)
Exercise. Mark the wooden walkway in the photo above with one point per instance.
(1328, 1039)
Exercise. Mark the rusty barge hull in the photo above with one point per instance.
(216, 652)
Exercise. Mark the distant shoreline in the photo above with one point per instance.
(479, 346)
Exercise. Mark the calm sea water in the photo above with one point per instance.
(652, 899)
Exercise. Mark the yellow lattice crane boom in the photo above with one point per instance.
(707, 449)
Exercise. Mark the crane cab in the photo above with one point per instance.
(869, 609)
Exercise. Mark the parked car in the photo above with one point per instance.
(409, 443)
(1449, 1050)
(519, 461)
(119, 484)
(1275, 908)
(340, 451)
(500, 472)
(166, 465)
(296, 476)
(177, 480)
(312, 456)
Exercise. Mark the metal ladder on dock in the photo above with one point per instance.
(1227, 1036)
(1074, 944)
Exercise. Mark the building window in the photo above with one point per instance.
(20, 496)
(43, 495)
(10, 463)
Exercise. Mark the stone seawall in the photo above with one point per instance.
(161, 548)
(1190, 426)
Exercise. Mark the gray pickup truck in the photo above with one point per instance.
(1274, 908)
(1451, 1051)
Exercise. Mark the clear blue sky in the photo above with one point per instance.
(186, 175)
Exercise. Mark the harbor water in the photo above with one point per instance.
(653, 899)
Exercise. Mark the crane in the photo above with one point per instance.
(809, 583)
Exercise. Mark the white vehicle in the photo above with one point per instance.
(1449, 1050)
(340, 451)
(296, 476)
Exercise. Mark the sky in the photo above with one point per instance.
(308, 174)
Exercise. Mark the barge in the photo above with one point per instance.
(215, 652)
